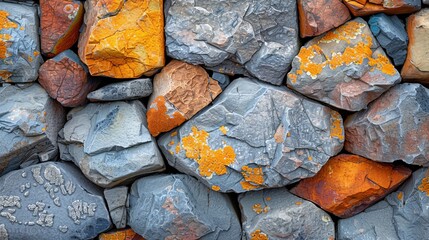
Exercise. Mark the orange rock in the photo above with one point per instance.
(348, 184)
(125, 234)
(370, 7)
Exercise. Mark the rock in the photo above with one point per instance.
(416, 67)
(260, 36)
(19, 43)
(277, 214)
(110, 142)
(390, 33)
(60, 21)
(123, 39)
(222, 79)
(29, 125)
(345, 68)
(180, 90)
(117, 201)
(127, 90)
(426, 2)
(66, 79)
(370, 7)
(255, 135)
(125, 234)
(317, 17)
(347, 184)
(51, 200)
(394, 127)
(179, 207)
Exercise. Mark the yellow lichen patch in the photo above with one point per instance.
(5, 75)
(258, 235)
(348, 31)
(159, 121)
(253, 175)
(258, 209)
(268, 198)
(307, 66)
(177, 148)
(223, 129)
(292, 77)
(173, 134)
(310, 158)
(424, 186)
(336, 126)
(400, 196)
(5, 23)
(36, 53)
(298, 203)
(383, 64)
(171, 143)
(215, 188)
(248, 186)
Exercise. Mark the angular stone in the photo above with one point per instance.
(60, 21)
(125, 234)
(29, 124)
(19, 43)
(179, 207)
(180, 90)
(123, 39)
(127, 90)
(66, 79)
(370, 7)
(222, 79)
(320, 16)
(260, 36)
(345, 68)
(277, 214)
(347, 184)
(394, 127)
(110, 142)
(117, 201)
(255, 135)
(51, 200)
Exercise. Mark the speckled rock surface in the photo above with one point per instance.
(255, 135)
(117, 201)
(369, 7)
(179, 207)
(127, 90)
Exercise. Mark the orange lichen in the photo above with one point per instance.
(173, 134)
(171, 143)
(5, 75)
(159, 121)
(348, 31)
(248, 186)
(305, 56)
(223, 129)
(5, 23)
(258, 209)
(253, 175)
(258, 235)
(400, 196)
(298, 203)
(268, 198)
(336, 126)
(177, 148)
(124, 234)
(215, 188)
(424, 186)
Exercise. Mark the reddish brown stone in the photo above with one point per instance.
(370, 7)
(125, 234)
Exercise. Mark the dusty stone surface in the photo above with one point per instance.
(179, 207)
(117, 201)
(255, 135)
(394, 127)
(125, 234)
(260, 36)
(127, 90)
(51, 199)
(370, 7)
(110, 142)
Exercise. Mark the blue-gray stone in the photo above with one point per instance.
(222, 79)
(126, 90)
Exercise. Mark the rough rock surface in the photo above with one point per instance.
(222, 79)
(66, 79)
(261, 36)
(180, 90)
(277, 214)
(19, 43)
(117, 201)
(394, 127)
(255, 135)
(51, 201)
(60, 21)
(179, 207)
(345, 68)
(319, 16)
(370, 7)
(347, 184)
(29, 125)
(123, 39)
(110, 142)
(125, 234)
(127, 90)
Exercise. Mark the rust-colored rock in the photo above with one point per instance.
(370, 7)
(125, 234)
(348, 184)
(319, 16)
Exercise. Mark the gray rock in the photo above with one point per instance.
(110, 142)
(222, 79)
(276, 214)
(117, 201)
(255, 136)
(127, 90)
(261, 36)
(51, 201)
(426, 2)
(29, 124)
(179, 207)
(21, 58)
(394, 127)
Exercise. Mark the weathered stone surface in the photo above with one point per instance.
(320, 16)
(60, 21)
(51, 201)
(261, 36)
(29, 125)
(180, 90)
(222, 79)
(125, 234)
(110, 142)
(370, 7)
(117, 201)
(19, 43)
(179, 207)
(127, 90)
(123, 39)
(277, 214)
(394, 127)
(347, 184)
(255, 135)
(345, 68)
(66, 79)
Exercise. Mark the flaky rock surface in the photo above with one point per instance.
(127, 90)
(369, 7)
(117, 202)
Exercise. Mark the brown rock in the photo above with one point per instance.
(348, 184)
(125, 234)
(370, 7)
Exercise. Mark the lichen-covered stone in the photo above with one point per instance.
(127, 90)
(345, 68)
(123, 39)
(370, 7)
(110, 142)
(117, 201)
(179, 207)
(261, 36)
(255, 135)
(394, 127)
(51, 201)
(125, 234)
